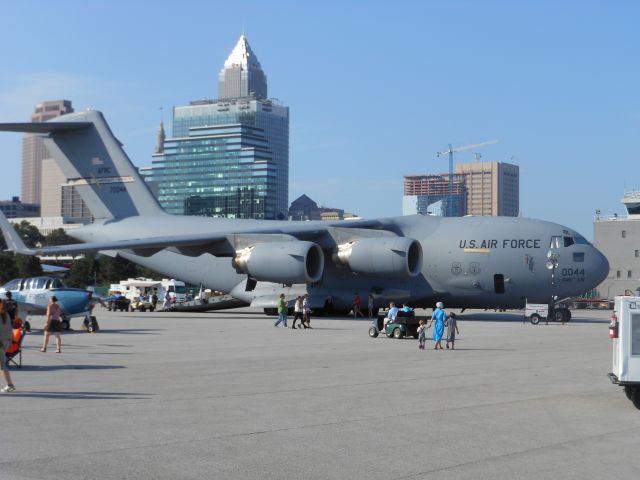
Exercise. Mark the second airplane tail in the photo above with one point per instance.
(94, 162)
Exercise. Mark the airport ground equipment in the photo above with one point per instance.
(405, 325)
(537, 312)
(624, 330)
(115, 302)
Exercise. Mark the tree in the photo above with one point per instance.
(58, 237)
(112, 270)
(8, 268)
(28, 266)
(29, 233)
(81, 273)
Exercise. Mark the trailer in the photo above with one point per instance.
(624, 330)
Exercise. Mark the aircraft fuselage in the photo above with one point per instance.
(472, 262)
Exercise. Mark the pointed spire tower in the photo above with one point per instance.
(242, 75)
(160, 139)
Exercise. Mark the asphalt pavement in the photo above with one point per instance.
(226, 395)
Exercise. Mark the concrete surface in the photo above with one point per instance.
(228, 396)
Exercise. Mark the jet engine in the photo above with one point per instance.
(281, 262)
(395, 257)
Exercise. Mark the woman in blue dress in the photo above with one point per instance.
(439, 316)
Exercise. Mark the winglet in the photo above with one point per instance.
(14, 242)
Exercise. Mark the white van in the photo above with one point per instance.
(176, 288)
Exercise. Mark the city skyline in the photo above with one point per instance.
(375, 90)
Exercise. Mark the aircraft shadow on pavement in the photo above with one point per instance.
(133, 331)
(51, 368)
(83, 395)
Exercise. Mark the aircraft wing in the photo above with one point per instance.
(217, 243)
(31, 308)
(278, 252)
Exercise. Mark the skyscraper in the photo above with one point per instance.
(34, 151)
(493, 188)
(227, 157)
(479, 188)
(242, 75)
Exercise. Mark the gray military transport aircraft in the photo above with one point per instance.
(468, 262)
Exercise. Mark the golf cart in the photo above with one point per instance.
(405, 325)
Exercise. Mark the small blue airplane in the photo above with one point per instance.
(33, 294)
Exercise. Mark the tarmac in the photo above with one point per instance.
(225, 395)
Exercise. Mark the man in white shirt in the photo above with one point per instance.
(391, 315)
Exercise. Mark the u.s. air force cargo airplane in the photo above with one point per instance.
(474, 262)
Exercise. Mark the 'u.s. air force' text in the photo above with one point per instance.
(502, 243)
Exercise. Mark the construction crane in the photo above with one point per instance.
(450, 151)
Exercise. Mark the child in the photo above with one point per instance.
(422, 336)
(452, 329)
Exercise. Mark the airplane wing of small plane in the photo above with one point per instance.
(31, 308)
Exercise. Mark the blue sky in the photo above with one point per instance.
(375, 88)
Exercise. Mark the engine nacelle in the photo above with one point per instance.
(397, 257)
(281, 262)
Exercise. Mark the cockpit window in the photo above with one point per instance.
(12, 285)
(57, 283)
(39, 283)
(580, 240)
(555, 242)
(568, 241)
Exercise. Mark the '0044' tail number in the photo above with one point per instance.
(573, 272)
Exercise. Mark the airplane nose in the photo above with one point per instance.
(600, 268)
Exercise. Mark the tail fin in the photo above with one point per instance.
(93, 160)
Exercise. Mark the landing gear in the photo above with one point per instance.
(65, 321)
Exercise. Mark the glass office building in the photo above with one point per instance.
(218, 171)
(227, 157)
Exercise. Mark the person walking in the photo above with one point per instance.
(422, 334)
(452, 329)
(53, 324)
(357, 302)
(297, 312)
(282, 311)
(306, 311)
(370, 305)
(6, 337)
(166, 304)
(438, 317)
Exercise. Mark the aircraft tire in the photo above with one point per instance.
(142, 309)
(635, 397)
(397, 333)
(628, 391)
(65, 324)
(373, 332)
(271, 312)
(534, 319)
